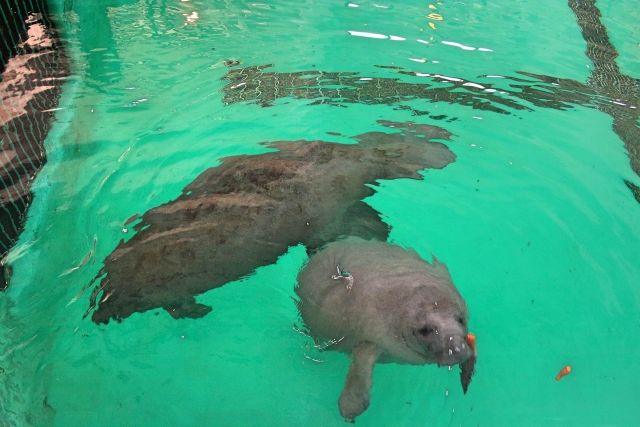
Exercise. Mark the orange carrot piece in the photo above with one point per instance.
(471, 340)
(563, 372)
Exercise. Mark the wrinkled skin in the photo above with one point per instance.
(400, 309)
(248, 211)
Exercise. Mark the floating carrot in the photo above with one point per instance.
(471, 340)
(563, 372)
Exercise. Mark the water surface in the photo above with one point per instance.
(533, 219)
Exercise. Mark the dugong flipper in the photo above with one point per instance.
(354, 398)
(384, 304)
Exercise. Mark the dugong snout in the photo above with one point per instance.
(454, 350)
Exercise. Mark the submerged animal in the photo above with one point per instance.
(248, 211)
(383, 303)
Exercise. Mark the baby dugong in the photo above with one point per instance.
(382, 303)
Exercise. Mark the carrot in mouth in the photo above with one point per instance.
(471, 340)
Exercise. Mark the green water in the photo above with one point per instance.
(533, 220)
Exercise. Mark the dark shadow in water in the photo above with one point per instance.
(254, 84)
(248, 211)
(608, 89)
(620, 91)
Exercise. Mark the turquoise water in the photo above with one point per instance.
(533, 220)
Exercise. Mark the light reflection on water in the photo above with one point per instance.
(533, 220)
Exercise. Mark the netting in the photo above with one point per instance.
(33, 67)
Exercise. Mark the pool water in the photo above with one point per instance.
(533, 219)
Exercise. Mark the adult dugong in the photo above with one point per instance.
(383, 303)
(247, 211)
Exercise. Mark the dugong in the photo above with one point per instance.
(248, 210)
(381, 302)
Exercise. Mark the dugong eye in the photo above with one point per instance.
(425, 330)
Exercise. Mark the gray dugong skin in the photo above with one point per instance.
(399, 309)
(247, 211)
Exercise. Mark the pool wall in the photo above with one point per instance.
(34, 66)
